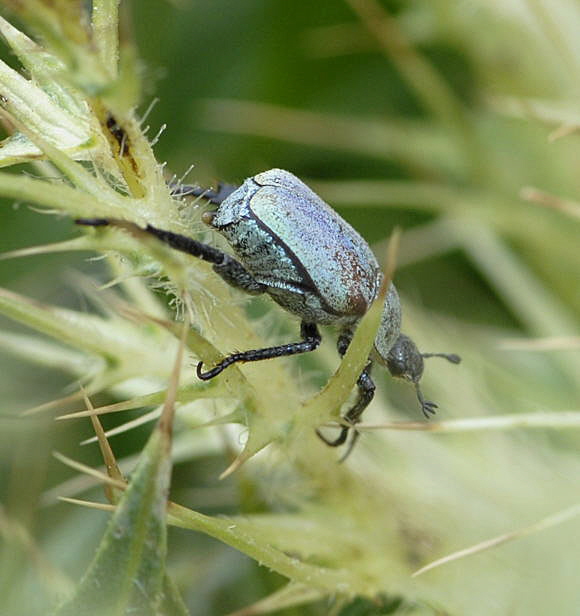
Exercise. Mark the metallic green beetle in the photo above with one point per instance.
(293, 246)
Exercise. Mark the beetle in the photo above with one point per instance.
(293, 246)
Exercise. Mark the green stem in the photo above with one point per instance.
(105, 20)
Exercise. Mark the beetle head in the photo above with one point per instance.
(404, 360)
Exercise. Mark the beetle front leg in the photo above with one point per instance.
(366, 392)
(310, 341)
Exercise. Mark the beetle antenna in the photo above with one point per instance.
(452, 357)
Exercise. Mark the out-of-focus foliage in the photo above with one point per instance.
(457, 121)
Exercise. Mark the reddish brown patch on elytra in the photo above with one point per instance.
(358, 282)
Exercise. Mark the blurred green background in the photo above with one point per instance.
(437, 131)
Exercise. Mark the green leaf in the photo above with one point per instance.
(45, 69)
(171, 602)
(243, 537)
(291, 595)
(127, 573)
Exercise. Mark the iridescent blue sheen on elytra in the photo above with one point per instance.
(312, 262)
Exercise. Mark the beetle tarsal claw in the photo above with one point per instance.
(206, 376)
(339, 440)
(429, 408)
(345, 426)
(353, 440)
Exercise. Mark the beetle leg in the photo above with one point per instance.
(429, 408)
(366, 392)
(310, 340)
(232, 271)
(343, 342)
(236, 275)
(213, 196)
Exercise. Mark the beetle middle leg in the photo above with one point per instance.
(213, 196)
(310, 341)
(366, 392)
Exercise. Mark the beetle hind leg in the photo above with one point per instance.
(310, 341)
(230, 270)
